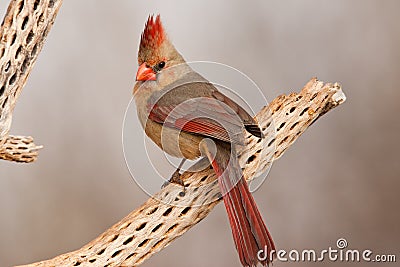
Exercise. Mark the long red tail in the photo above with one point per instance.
(248, 228)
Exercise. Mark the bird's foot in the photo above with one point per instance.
(176, 179)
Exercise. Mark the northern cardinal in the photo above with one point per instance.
(186, 116)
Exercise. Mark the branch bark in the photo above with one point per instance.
(168, 215)
(19, 149)
(22, 35)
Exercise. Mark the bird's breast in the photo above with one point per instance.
(174, 142)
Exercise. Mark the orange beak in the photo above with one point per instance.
(145, 73)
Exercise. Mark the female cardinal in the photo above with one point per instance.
(186, 116)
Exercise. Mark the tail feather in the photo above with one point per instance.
(248, 229)
(245, 242)
(263, 236)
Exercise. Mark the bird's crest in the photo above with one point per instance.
(153, 34)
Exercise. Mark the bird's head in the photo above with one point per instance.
(156, 52)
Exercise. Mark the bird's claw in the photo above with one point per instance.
(176, 179)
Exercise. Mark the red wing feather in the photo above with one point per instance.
(196, 118)
(203, 127)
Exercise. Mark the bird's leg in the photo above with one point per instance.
(176, 176)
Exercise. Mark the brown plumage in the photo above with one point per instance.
(182, 112)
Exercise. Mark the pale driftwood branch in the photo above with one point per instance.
(168, 215)
(19, 149)
(22, 35)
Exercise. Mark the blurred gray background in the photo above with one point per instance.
(341, 179)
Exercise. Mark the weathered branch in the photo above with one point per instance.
(19, 149)
(22, 35)
(168, 215)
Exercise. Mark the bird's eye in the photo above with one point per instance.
(161, 64)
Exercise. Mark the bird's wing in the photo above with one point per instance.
(196, 106)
